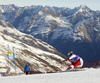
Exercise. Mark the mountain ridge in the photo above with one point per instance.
(64, 28)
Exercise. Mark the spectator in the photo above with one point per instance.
(27, 69)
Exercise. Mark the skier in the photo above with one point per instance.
(27, 69)
(75, 60)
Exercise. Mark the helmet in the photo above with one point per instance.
(70, 53)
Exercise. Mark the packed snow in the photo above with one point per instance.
(87, 76)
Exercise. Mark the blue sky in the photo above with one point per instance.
(93, 4)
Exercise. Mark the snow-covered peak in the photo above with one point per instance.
(82, 8)
(9, 8)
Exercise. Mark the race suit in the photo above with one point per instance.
(76, 61)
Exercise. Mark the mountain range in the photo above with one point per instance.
(66, 29)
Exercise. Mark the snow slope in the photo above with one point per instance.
(41, 56)
(88, 76)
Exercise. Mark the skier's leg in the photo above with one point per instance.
(81, 61)
(26, 73)
(77, 63)
(71, 67)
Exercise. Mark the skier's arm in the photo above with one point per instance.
(72, 57)
(66, 60)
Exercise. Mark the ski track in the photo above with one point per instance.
(88, 76)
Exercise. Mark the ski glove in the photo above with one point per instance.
(64, 61)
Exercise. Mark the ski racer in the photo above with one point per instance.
(75, 60)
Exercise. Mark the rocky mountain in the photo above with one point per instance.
(66, 29)
(97, 65)
(41, 56)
